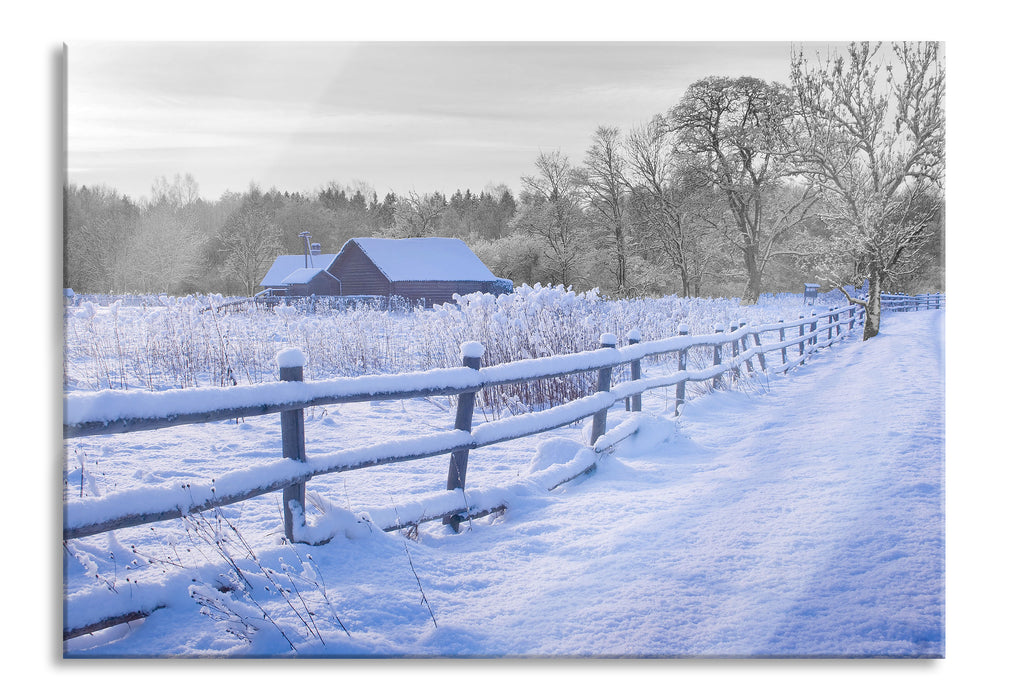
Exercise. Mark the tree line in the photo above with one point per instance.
(741, 187)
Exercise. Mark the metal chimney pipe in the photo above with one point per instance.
(305, 236)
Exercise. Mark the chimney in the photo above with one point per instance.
(305, 235)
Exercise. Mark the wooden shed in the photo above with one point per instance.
(420, 269)
(301, 275)
(305, 282)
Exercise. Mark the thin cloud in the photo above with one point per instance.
(401, 115)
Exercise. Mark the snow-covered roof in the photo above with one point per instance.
(425, 259)
(304, 275)
(284, 265)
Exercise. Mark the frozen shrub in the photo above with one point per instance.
(170, 342)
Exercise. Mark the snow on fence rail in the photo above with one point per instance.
(110, 412)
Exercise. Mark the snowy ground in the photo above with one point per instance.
(802, 516)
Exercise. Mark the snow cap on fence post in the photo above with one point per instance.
(608, 340)
(290, 357)
(719, 327)
(633, 336)
(471, 348)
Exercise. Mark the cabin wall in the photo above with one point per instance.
(359, 274)
(436, 292)
(322, 285)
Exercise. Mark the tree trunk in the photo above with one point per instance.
(753, 275)
(872, 307)
(621, 258)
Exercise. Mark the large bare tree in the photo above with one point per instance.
(733, 131)
(870, 136)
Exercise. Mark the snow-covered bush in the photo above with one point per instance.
(183, 342)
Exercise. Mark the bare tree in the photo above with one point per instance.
(181, 192)
(733, 131)
(169, 240)
(99, 239)
(417, 216)
(168, 244)
(250, 242)
(604, 180)
(665, 211)
(549, 209)
(871, 137)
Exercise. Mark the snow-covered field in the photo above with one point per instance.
(799, 516)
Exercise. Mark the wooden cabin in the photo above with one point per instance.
(419, 269)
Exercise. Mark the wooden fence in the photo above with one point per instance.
(739, 350)
(905, 302)
(87, 414)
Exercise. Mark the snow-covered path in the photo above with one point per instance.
(804, 520)
(803, 516)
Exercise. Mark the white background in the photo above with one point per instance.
(31, 180)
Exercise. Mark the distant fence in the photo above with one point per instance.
(315, 303)
(905, 302)
(775, 347)
(308, 304)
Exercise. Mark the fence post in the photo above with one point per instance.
(292, 437)
(816, 340)
(633, 338)
(760, 355)
(735, 351)
(681, 386)
(802, 343)
(606, 340)
(830, 325)
(781, 338)
(851, 319)
(749, 365)
(459, 459)
(716, 358)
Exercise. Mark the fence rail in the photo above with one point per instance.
(732, 352)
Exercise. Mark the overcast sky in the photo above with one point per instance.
(398, 116)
